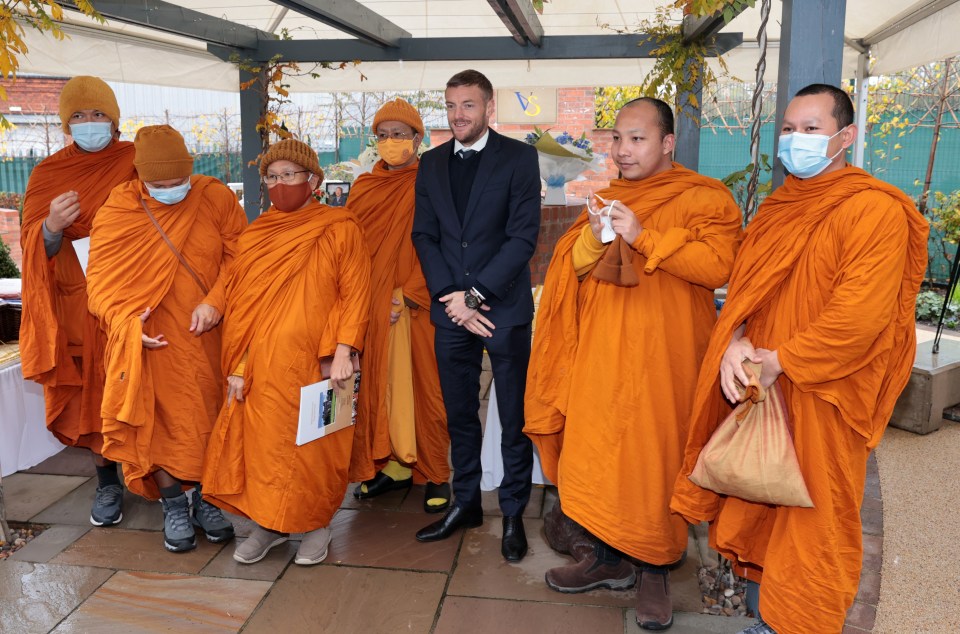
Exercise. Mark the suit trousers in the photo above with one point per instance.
(459, 359)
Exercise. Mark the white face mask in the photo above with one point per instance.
(169, 195)
(92, 136)
(805, 155)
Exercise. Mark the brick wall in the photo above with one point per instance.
(575, 114)
(34, 95)
(10, 233)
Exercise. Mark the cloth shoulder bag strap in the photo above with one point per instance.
(183, 261)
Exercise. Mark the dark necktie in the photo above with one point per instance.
(465, 154)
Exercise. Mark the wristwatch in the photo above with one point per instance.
(472, 299)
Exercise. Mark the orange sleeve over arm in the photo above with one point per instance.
(872, 258)
(233, 224)
(353, 282)
(714, 222)
(587, 251)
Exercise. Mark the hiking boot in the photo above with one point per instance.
(561, 531)
(760, 627)
(178, 534)
(654, 606)
(313, 548)
(254, 548)
(210, 519)
(107, 506)
(589, 573)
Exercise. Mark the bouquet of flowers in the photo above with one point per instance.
(368, 158)
(563, 159)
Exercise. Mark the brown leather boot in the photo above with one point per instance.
(589, 573)
(564, 535)
(654, 606)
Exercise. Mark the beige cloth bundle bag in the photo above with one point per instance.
(751, 454)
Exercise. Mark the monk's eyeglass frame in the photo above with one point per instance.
(286, 177)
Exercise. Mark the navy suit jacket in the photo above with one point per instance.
(498, 236)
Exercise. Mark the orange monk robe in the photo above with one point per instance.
(827, 275)
(384, 202)
(159, 405)
(299, 286)
(613, 368)
(61, 344)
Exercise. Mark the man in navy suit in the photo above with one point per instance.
(475, 230)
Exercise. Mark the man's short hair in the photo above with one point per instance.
(664, 113)
(472, 77)
(842, 104)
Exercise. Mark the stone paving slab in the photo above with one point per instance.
(267, 569)
(463, 614)
(74, 461)
(27, 494)
(35, 597)
(74, 508)
(123, 549)
(385, 539)
(150, 602)
(687, 623)
(50, 543)
(346, 599)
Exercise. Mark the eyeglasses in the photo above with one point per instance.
(402, 136)
(286, 177)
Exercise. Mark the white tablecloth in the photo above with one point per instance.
(24, 438)
(490, 457)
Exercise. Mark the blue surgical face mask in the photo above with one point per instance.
(169, 195)
(92, 136)
(805, 155)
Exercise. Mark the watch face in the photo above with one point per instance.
(472, 301)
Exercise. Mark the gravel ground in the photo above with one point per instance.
(21, 534)
(920, 584)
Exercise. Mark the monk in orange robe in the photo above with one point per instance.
(620, 334)
(61, 344)
(298, 298)
(159, 250)
(822, 295)
(401, 435)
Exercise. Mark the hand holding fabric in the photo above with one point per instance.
(731, 365)
(770, 361)
(394, 312)
(64, 210)
(234, 389)
(204, 318)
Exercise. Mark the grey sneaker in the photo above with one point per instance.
(210, 519)
(313, 548)
(178, 534)
(107, 506)
(758, 628)
(254, 548)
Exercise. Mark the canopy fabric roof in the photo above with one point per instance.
(131, 53)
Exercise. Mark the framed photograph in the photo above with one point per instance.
(337, 192)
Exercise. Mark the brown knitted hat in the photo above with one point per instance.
(398, 110)
(87, 93)
(161, 154)
(292, 150)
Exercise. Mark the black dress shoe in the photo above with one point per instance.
(457, 517)
(514, 544)
(379, 485)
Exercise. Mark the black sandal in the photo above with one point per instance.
(441, 490)
(379, 485)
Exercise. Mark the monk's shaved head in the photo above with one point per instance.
(664, 113)
(842, 104)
